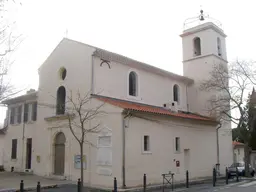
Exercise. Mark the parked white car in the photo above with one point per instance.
(241, 169)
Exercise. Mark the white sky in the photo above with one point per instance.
(145, 30)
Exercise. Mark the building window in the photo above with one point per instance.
(219, 46)
(177, 144)
(12, 115)
(197, 46)
(16, 114)
(176, 93)
(14, 149)
(61, 99)
(30, 112)
(146, 143)
(62, 73)
(133, 84)
(34, 111)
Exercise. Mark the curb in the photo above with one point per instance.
(28, 188)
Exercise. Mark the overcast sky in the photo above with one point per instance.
(145, 30)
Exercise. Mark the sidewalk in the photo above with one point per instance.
(11, 181)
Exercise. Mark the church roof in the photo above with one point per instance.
(139, 107)
(110, 56)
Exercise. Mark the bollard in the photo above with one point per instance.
(38, 187)
(237, 175)
(226, 175)
(21, 186)
(78, 185)
(187, 179)
(172, 181)
(144, 182)
(214, 177)
(115, 185)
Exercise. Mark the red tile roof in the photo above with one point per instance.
(150, 109)
(236, 143)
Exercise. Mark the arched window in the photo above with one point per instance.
(133, 84)
(197, 46)
(62, 73)
(61, 99)
(219, 46)
(176, 93)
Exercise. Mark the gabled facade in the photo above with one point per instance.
(155, 120)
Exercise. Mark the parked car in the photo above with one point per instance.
(241, 169)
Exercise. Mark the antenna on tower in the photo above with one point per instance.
(199, 19)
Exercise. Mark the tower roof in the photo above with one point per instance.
(201, 27)
(201, 22)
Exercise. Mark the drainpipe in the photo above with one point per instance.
(23, 138)
(123, 147)
(187, 98)
(218, 147)
(92, 80)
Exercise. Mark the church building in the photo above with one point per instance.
(154, 121)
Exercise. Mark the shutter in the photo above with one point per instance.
(12, 115)
(14, 149)
(34, 111)
(19, 114)
(26, 112)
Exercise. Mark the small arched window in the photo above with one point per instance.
(176, 93)
(133, 84)
(197, 46)
(219, 46)
(61, 100)
(62, 73)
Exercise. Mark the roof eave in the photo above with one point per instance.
(102, 54)
(212, 122)
(20, 98)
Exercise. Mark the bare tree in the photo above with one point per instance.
(232, 84)
(10, 39)
(82, 116)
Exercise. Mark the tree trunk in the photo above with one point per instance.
(246, 160)
(82, 165)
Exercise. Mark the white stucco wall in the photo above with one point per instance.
(208, 41)
(198, 138)
(1, 149)
(15, 131)
(239, 154)
(153, 89)
(94, 173)
(199, 68)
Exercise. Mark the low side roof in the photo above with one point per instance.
(134, 106)
(29, 96)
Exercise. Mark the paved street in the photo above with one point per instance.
(243, 186)
(12, 181)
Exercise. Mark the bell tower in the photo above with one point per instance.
(204, 45)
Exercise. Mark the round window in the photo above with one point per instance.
(62, 73)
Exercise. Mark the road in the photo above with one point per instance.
(243, 186)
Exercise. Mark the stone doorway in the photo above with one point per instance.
(59, 154)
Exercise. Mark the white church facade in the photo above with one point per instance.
(155, 121)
